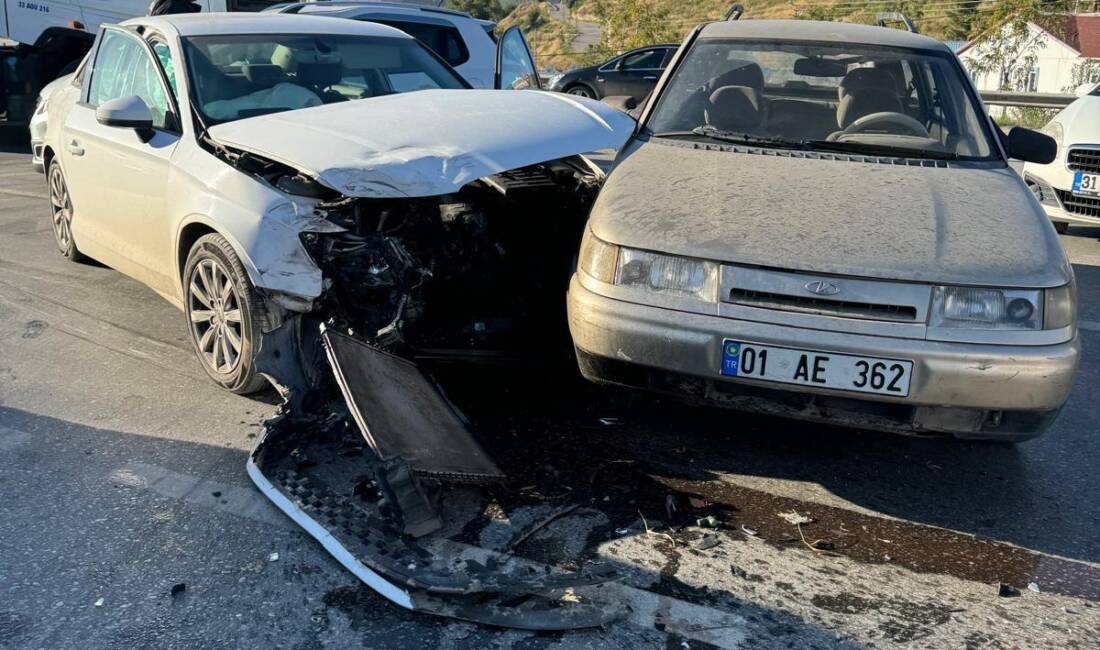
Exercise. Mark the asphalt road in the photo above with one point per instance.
(122, 477)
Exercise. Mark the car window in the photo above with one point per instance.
(123, 68)
(846, 96)
(444, 40)
(669, 53)
(235, 76)
(164, 59)
(645, 60)
(516, 71)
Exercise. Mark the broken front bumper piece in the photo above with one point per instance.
(364, 482)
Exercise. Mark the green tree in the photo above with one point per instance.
(632, 23)
(484, 9)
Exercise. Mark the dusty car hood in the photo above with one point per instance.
(429, 142)
(950, 225)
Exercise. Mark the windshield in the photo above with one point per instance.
(831, 96)
(238, 76)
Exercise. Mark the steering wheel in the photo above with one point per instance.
(901, 121)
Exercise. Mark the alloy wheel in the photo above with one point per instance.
(581, 91)
(215, 310)
(61, 209)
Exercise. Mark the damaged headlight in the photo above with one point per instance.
(986, 309)
(652, 273)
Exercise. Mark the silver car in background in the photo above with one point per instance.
(817, 220)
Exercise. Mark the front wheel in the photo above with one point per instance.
(61, 212)
(224, 314)
(581, 91)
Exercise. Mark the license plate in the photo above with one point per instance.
(821, 369)
(1086, 184)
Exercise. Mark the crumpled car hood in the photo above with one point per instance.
(947, 225)
(430, 142)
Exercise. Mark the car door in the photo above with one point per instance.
(516, 69)
(635, 74)
(118, 176)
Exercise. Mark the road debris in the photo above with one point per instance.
(178, 588)
(609, 422)
(273, 557)
(539, 525)
(707, 522)
(751, 532)
(99, 603)
(1033, 586)
(1007, 591)
(707, 541)
(795, 518)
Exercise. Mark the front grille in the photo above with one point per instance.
(824, 306)
(1084, 160)
(1082, 205)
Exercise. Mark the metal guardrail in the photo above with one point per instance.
(1027, 100)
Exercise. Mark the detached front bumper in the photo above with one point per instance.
(969, 390)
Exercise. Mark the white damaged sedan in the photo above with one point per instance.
(258, 170)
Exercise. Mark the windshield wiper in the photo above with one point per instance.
(735, 137)
(746, 138)
(854, 146)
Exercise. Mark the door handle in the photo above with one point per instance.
(600, 80)
(650, 78)
(75, 148)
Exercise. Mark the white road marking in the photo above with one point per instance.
(12, 438)
(232, 500)
(1090, 325)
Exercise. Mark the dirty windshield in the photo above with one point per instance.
(833, 97)
(239, 76)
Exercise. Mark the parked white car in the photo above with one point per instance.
(1069, 187)
(464, 42)
(256, 169)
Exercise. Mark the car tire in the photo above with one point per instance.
(1061, 227)
(581, 90)
(225, 315)
(61, 213)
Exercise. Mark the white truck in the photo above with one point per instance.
(41, 40)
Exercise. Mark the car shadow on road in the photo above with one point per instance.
(63, 458)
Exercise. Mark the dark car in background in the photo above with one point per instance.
(632, 74)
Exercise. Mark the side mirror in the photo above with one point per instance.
(1031, 146)
(624, 103)
(125, 113)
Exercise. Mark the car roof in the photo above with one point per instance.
(355, 8)
(814, 30)
(214, 23)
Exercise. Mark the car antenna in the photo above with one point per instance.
(883, 18)
(734, 12)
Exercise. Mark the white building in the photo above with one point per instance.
(1041, 61)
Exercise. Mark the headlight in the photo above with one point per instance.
(986, 309)
(648, 272)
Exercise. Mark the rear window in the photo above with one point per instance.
(444, 40)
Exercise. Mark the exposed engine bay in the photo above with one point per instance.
(368, 445)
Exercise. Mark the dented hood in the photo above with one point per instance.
(430, 142)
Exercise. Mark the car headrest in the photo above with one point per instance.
(263, 74)
(864, 102)
(866, 78)
(735, 108)
(740, 73)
